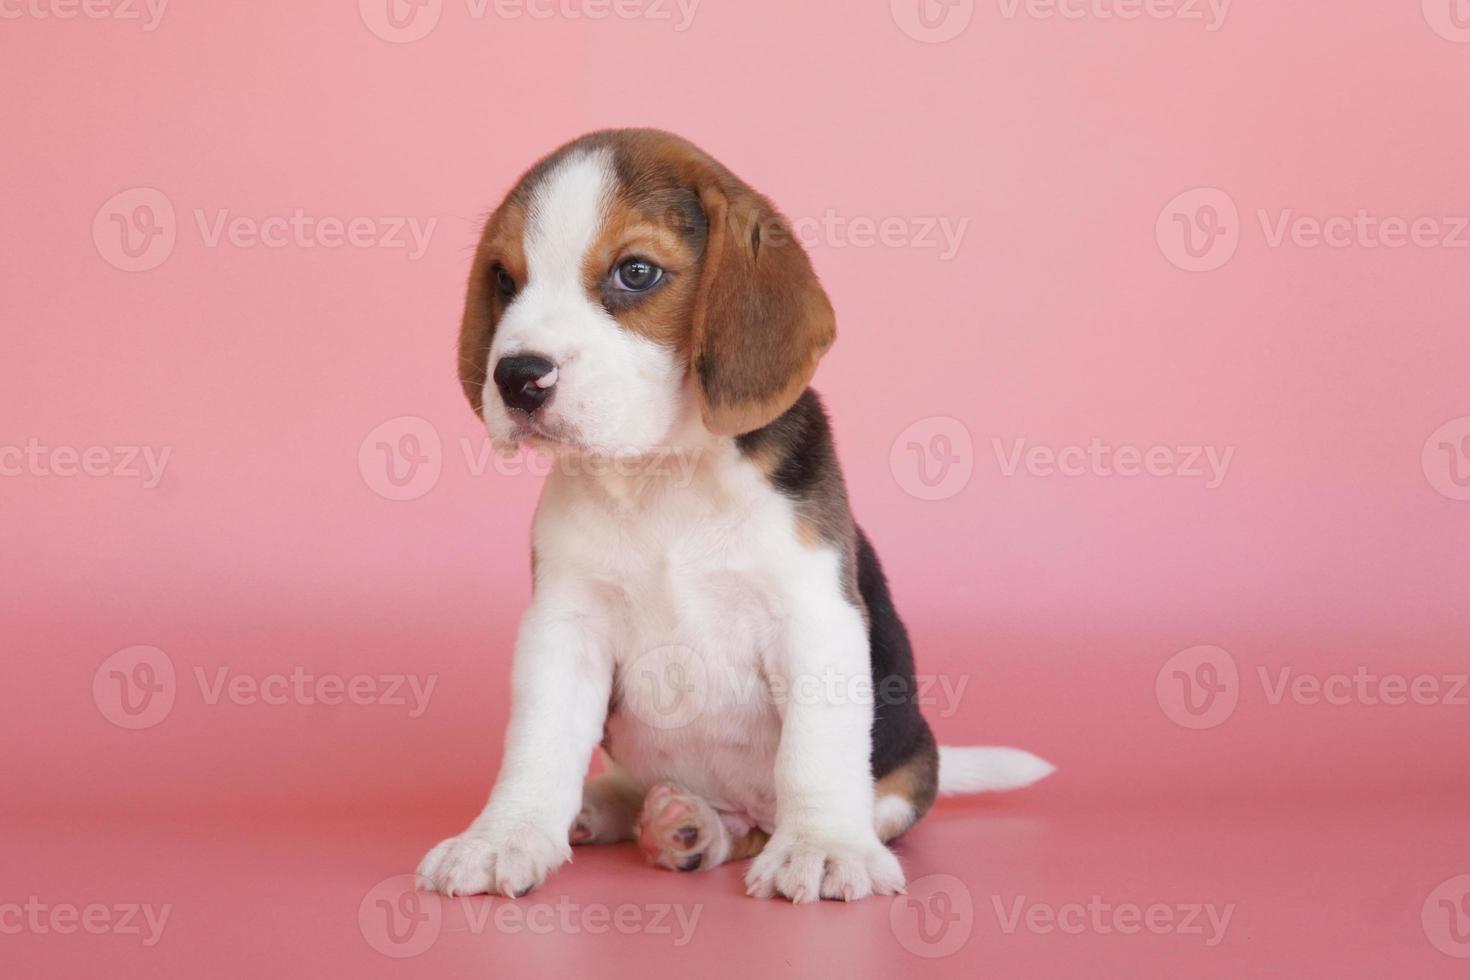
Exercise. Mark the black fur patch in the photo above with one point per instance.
(899, 728)
(798, 452)
(800, 444)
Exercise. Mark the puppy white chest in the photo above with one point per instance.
(695, 590)
(701, 716)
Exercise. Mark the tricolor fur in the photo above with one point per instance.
(722, 628)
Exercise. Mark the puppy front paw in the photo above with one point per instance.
(804, 867)
(499, 858)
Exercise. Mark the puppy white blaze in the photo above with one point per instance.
(565, 216)
(615, 391)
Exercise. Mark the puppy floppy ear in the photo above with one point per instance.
(477, 327)
(761, 320)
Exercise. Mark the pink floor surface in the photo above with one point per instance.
(1251, 676)
(1040, 886)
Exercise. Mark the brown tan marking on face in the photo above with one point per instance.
(663, 314)
(745, 304)
(740, 300)
(500, 247)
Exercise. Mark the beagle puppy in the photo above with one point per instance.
(705, 608)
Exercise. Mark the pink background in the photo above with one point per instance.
(1334, 542)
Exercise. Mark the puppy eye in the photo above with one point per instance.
(504, 283)
(636, 276)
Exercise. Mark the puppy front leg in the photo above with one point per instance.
(560, 683)
(825, 844)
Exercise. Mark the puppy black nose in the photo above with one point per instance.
(525, 381)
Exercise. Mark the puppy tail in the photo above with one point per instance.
(988, 769)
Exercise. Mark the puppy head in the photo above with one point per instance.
(628, 284)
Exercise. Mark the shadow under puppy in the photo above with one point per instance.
(704, 606)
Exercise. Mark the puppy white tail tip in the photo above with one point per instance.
(988, 769)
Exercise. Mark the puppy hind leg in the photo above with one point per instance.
(906, 792)
(610, 806)
(680, 831)
(748, 845)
